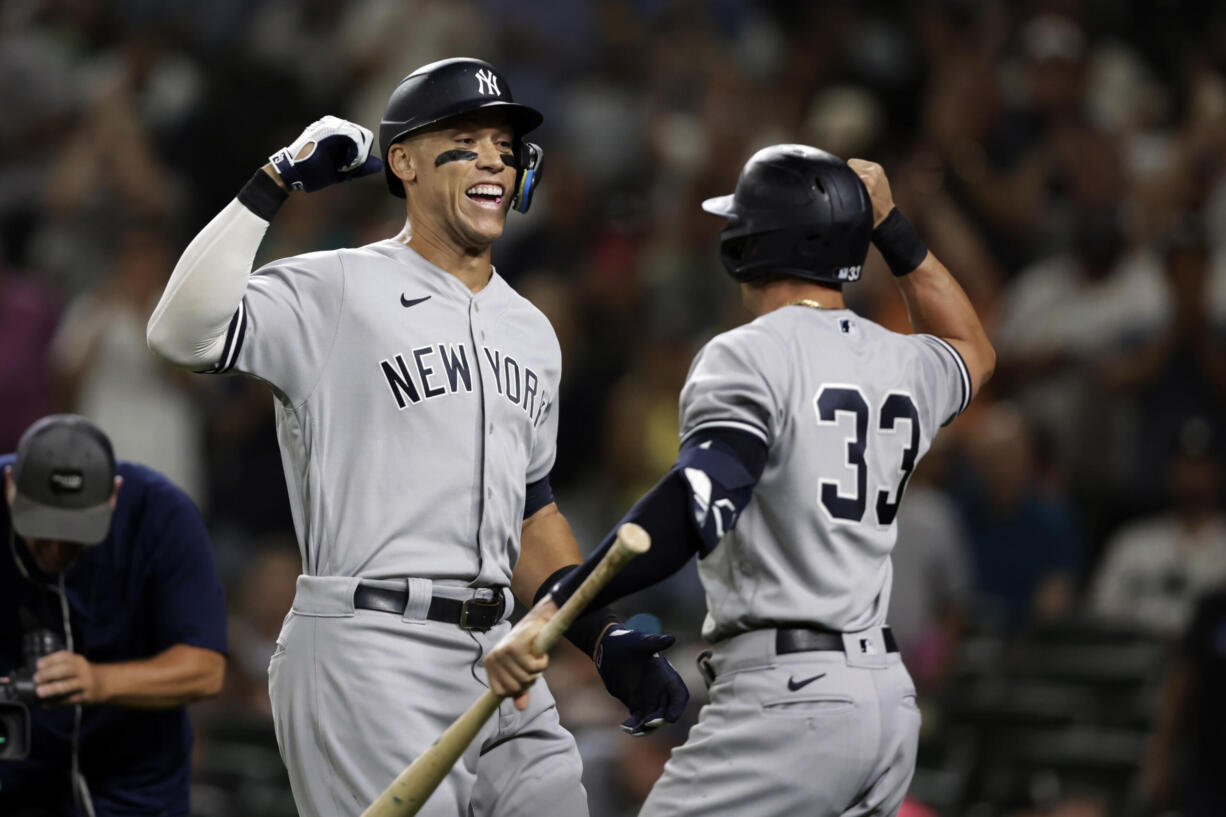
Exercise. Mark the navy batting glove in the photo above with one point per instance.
(340, 152)
(636, 674)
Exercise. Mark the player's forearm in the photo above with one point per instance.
(681, 519)
(663, 513)
(189, 325)
(177, 676)
(937, 305)
(546, 545)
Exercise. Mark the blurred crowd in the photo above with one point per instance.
(1066, 159)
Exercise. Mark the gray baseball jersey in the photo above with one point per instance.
(846, 408)
(411, 413)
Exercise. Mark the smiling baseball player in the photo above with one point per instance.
(799, 432)
(416, 412)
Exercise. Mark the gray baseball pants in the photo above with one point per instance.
(358, 694)
(773, 743)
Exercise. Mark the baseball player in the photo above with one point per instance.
(799, 432)
(416, 412)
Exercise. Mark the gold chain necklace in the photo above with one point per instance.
(809, 302)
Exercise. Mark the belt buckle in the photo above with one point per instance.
(466, 607)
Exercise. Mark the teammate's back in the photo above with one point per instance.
(846, 408)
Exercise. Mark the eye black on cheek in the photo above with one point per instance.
(509, 159)
(456, 155)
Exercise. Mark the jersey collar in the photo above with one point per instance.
(443, 283)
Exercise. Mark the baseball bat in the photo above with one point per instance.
(412, 787)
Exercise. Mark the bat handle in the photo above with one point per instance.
(631, 541)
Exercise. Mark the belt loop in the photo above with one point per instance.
(508, 604)
(420, 592)
(704, 667)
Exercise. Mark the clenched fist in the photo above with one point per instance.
(513, 666)
(878, 186)
(330, 150)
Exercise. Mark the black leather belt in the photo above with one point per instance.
(800, 639)
(470, 614)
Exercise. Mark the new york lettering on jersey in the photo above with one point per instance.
(417, 376)
(435, 373)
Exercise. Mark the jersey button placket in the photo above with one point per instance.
(489, 393)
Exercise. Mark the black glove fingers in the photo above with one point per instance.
(647, 722)
(636, 674)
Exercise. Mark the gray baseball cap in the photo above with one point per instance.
(64, 475)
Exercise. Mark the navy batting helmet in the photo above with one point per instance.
(448, 88)
(797, 211)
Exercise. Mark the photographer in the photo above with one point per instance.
(107, 569)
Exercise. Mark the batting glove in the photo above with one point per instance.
(341, 152)
(634, 672)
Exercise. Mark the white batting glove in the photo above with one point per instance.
(335, 150)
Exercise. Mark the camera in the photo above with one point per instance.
(17, 693)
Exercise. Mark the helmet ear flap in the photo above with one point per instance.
(737, 254)
(529, 158)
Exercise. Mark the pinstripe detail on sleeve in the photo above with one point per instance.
(963, 372)
(739, 425)
(234, 341)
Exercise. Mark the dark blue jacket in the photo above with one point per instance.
(151, 584)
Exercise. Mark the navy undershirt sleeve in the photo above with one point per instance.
(537, 495)
(665, 513)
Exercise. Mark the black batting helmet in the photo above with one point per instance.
(797, 211)
(450, 88)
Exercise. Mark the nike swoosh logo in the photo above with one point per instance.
(794, 685)
(406, 302)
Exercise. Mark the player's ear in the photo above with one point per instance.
(400, 160)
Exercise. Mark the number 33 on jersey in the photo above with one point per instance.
(833, 400)
(847, 409)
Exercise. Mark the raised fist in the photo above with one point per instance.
(878, 187)
(328, 151)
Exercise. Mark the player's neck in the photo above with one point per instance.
(472, 266)
(767, 296)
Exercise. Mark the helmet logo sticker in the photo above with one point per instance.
(487, 82)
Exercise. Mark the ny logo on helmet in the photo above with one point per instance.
(487, 82)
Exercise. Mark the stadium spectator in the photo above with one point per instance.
(1026, 548)
(150, 411)
(1155, 568)
(29, 312)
